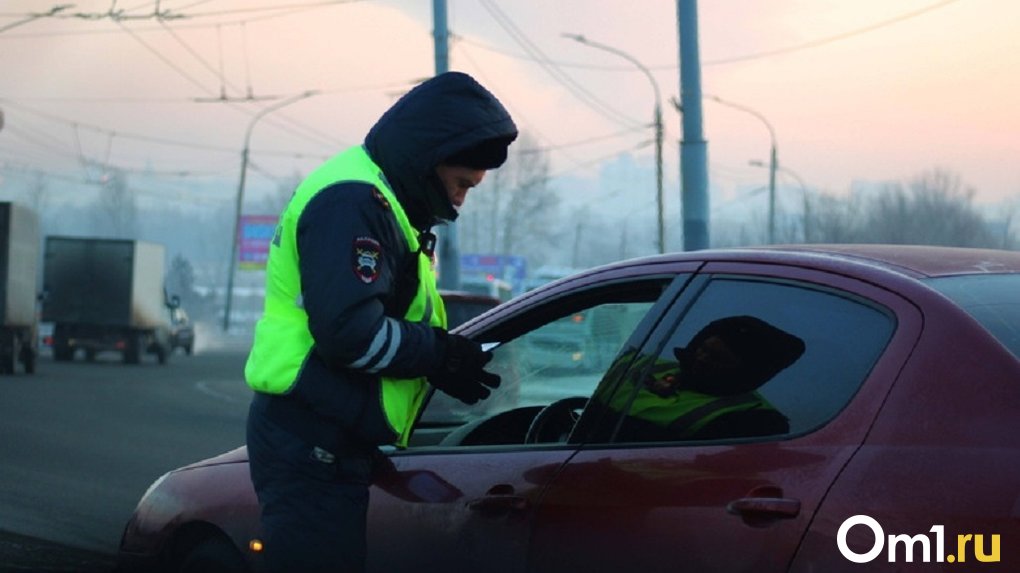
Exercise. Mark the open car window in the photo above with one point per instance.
(557, 353)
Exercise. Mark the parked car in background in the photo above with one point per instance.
(462, 306)
(774, 409)
(487, 285)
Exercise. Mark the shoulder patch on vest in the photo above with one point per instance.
(381, 199)
(366, 254)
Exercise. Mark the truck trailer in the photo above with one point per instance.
(19, 263)
(106, 295)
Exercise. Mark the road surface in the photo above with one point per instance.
(82, 441)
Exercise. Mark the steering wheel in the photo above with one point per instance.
(555, 421)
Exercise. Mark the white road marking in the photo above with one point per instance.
(204, 387)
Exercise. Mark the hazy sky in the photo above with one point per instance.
(855, 90)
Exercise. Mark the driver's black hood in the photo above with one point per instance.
(438, 118)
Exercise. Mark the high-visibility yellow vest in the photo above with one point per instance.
(282, 338)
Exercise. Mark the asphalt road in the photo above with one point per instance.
(80, 442)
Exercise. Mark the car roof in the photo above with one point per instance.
(919, 261)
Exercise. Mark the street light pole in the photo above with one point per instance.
(240, 195)
(773, 161)
(661, 238)
(804, 194)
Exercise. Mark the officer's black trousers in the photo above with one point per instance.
(314, 510)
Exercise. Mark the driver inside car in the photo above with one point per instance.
(710, 389)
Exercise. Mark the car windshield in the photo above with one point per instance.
(994, 300)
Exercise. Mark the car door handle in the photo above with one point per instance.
(765, 507)
(499, 499)
(498, 503)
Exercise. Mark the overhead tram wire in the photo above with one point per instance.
(183, 194)
(223, 80)
(562, 64)
(585, 141)
(128, 135)
(559, 148)
(78, 156)
(579, 91)
(285, 7)
(516, 112)
(278, 13)
(74, 151)
(830, 39)
(307, 130)
(583, 165)
(123, 14)
(295, 127)
(172, 142)
(326, 138)
(33, 17)
(165, 60)
(732, 59)
(481, 73)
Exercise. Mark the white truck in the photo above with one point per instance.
(19, 260)
(106, 295)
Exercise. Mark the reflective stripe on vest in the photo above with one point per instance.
(282, 337)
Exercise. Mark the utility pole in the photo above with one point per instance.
(449, 250)
(693, 149)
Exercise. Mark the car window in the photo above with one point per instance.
(752, 359)
(563, 353)
(993, 300)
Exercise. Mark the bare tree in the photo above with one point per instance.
(935, 208)
(833, 219)
(932, 209)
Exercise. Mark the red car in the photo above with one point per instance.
(811, 408)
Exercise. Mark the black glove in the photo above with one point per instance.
(461, 373)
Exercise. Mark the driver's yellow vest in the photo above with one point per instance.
(687, 410)
(282, 338)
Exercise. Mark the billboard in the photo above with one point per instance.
(254, 236)
(510, 268)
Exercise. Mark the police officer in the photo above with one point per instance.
(353, 325)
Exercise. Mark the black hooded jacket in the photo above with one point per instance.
(354, 313)
(432, 122)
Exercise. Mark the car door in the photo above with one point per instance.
(644, 494)
(462, 496)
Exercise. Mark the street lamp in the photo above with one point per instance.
(661, 239)
(240, 194)
(773, 164)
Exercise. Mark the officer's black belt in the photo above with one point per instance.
(290, 413)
